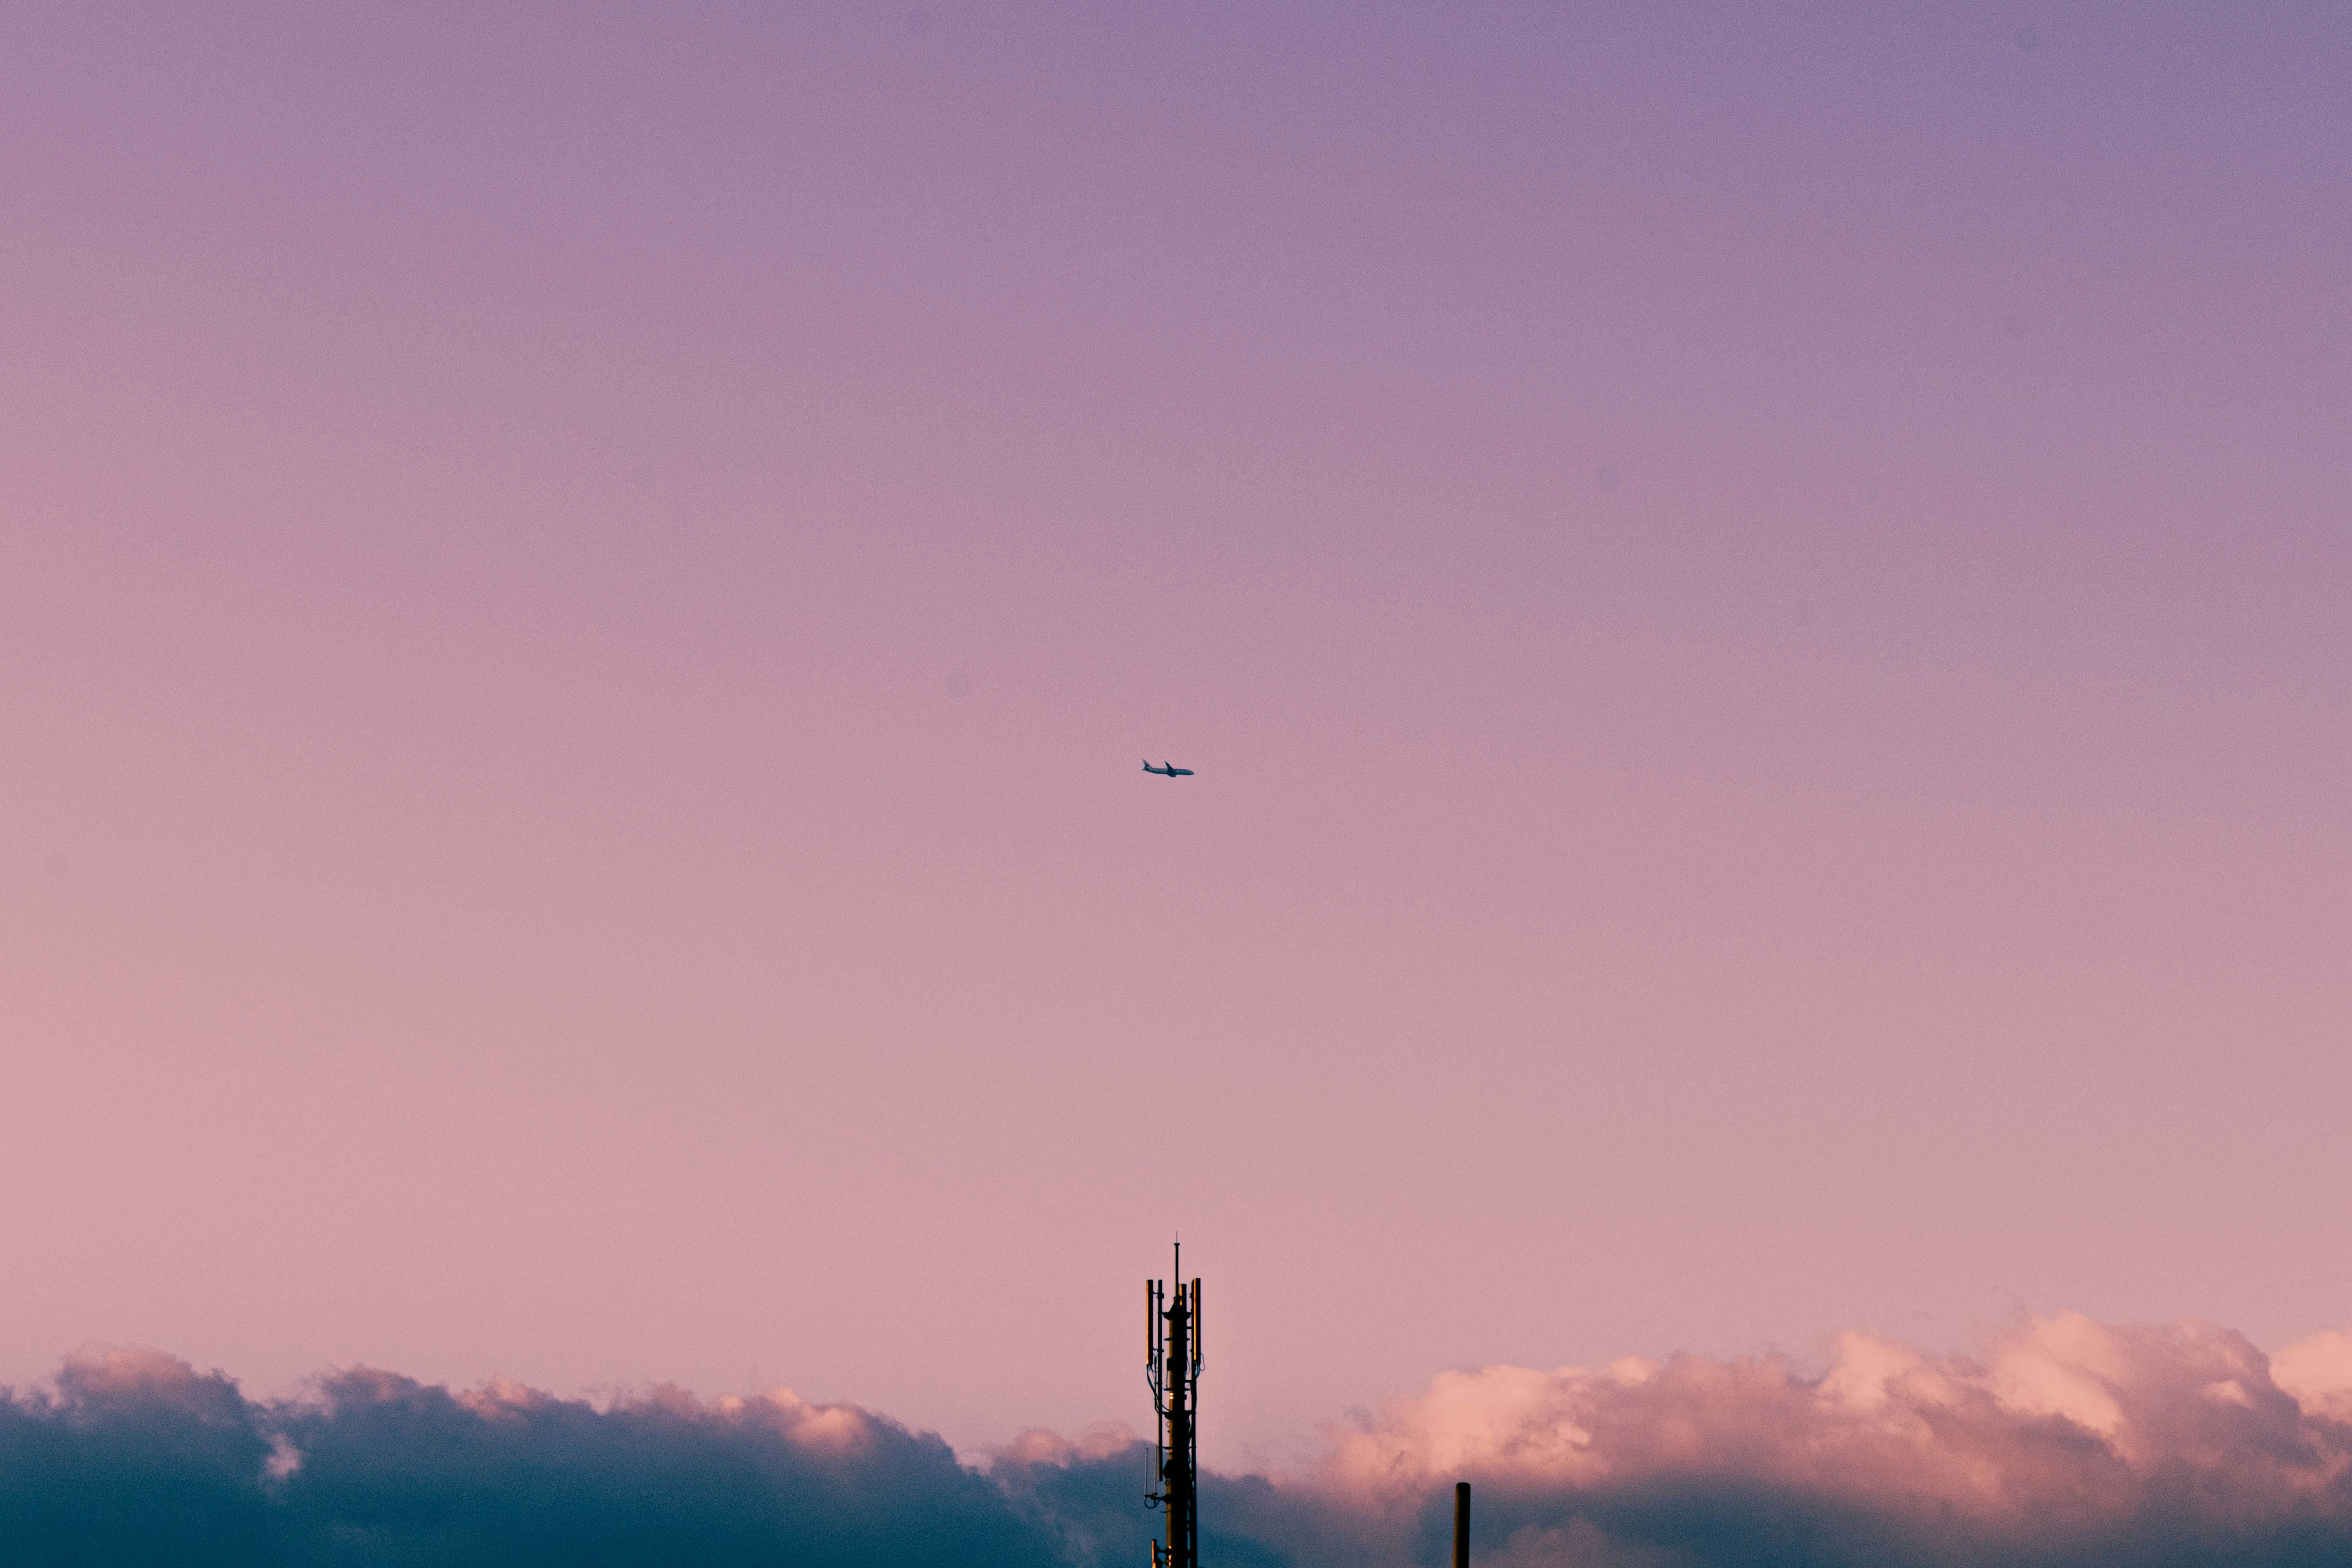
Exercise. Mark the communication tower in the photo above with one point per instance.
(1172, 1357)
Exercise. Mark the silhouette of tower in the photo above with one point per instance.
(1172, 1354)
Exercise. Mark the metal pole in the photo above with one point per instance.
(1462, 1524)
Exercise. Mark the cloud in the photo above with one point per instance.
(137, 1457)
(2318, 1373)
(2066, 1441)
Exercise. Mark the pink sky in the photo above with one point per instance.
(1759, 606)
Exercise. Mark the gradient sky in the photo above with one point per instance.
(1759, 601)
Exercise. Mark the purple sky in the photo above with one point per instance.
(1760, 601)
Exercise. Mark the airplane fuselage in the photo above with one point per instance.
(1167, 770)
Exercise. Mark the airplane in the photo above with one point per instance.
(1169, 770)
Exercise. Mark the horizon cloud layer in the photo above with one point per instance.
(2067, 1440)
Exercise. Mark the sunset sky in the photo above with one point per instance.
(1758, 595)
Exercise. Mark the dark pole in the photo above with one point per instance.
(1462, 1524)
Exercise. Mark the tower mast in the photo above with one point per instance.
(1172, 1355)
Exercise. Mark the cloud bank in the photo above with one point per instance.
(2065, 1442)
(2069, 1441)
(137, 1457)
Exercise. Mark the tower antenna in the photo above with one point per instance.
(1172, 1360)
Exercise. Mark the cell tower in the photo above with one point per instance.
(1172, 1355)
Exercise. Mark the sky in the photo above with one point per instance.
(1756, 598)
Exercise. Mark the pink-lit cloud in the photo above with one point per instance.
(2066, 1437)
